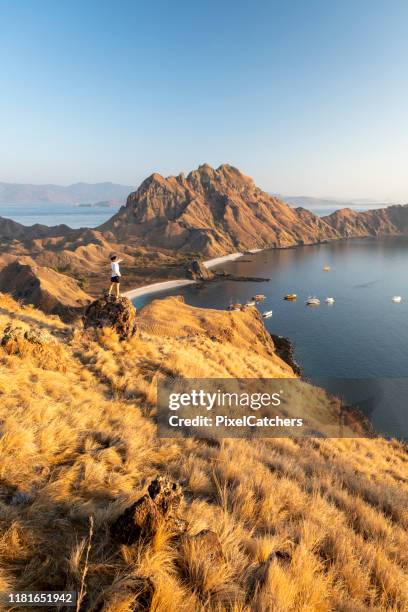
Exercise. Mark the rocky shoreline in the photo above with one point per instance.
(350, 415)
(199, 272)
(285, 350)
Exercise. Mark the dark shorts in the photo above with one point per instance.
(115, 279)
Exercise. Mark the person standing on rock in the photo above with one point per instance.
(115, 275)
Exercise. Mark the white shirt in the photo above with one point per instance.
(115, 268)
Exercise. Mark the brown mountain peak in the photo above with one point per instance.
(152, 179)
(211, 211)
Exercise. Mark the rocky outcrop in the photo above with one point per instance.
(15, 337)
(284, 350)
(196, 270)
(117, 313)
(142, 519)
(35, 343)
(45, 288)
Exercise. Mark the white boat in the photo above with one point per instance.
(312, 301)
(250, 303)
(330, 300)
(397, 299)
(267, 314)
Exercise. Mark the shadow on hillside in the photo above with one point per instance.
(29, 320)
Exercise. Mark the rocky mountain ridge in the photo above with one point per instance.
(218, 211)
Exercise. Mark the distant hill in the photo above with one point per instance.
(330, 203)
(15, 193)
(52, 292)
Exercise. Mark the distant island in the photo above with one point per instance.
(101, 204)
(315, 203)
(16, 193)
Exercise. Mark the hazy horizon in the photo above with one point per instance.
(330, 199)
(307, 98)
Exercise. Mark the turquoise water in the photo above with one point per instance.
(364, 335)
(55, 214)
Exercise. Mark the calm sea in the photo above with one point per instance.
(74, 216)
(55, 214)
(359, 345)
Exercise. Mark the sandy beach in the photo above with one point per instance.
(157, 287)
(172, 284)
(210, 263)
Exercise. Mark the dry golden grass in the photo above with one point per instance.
(78, 444)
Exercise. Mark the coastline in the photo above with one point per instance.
(181, 282)
(216, 261)
(157, 287)
(209, 263)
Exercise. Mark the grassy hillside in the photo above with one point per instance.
(78, 445)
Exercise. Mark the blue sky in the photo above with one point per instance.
(308, 97)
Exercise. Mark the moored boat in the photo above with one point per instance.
(267, 314)
(312, 301)
(290, 297)
(259, 297)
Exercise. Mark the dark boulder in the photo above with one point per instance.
(116, 313)
(196, 270)
(142, 519)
